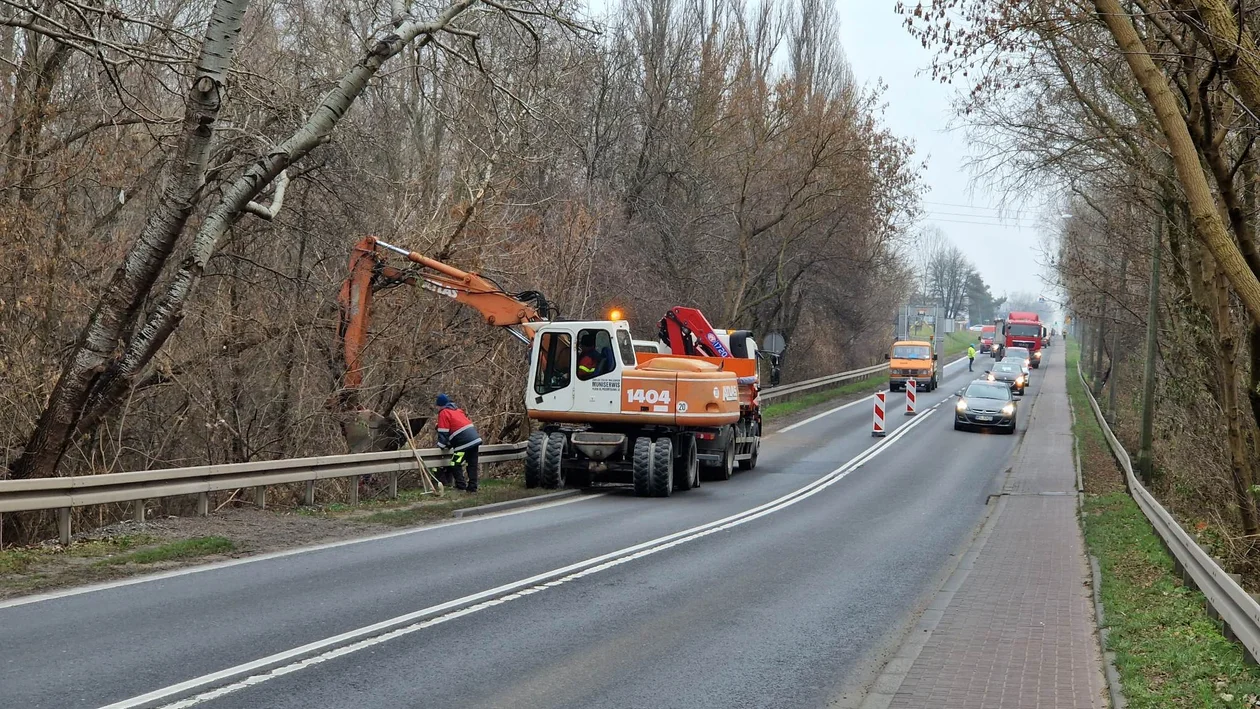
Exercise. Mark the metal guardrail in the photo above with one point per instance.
(1226, 598)
(799, 387)
(63, 494)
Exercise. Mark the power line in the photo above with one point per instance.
(995, 224)
(982, 216)
(969, 206)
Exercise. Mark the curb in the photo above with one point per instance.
(514, 504)
(1118, 700)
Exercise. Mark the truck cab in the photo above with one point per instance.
(912, 359)
(986, 338)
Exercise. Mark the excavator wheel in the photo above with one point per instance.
(662, 480)
(642, 466)
(534, 458)
(553, 462)
(686, 468)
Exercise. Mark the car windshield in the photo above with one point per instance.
(1017, 352)
(1017, 361)
(1004, 366)
(981, 390)
(910, 352)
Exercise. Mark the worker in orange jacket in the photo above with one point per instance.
(457, 434)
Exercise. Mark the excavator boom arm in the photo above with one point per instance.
(368, 273)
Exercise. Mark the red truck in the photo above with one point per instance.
(1024, 329)
(986, 338)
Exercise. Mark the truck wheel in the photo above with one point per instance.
(642, 467)
(727, 469)
(661, 483)
(553, 462)
(534, 458)
(686, 469)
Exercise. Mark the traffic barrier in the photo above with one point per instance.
(910, 397)
(878, 429)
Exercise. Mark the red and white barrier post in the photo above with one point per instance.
(910, 398)
(878, 428)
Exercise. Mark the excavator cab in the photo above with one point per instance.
(578, 364)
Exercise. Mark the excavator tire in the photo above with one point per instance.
(553, 462)
(662, 480)
(534, 458)
(686, 469)
(642, 467)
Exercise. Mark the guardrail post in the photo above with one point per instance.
(138, 511)
(354, 490)
(63, 525)
(393, 485)
(203, 504)
(260, 497)
(308, 498)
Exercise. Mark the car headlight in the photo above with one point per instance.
(961, 405)
(1008, 409)
(991, 378)
(1037, 355)
(1019, 381)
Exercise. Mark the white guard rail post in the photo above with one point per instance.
(1226, 598)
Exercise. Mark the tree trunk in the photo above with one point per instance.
(123, 298)
(1207, 222)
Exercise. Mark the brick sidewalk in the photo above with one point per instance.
(1015, 625)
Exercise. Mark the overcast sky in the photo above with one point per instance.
(1006, 251)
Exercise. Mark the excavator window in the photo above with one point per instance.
(595, 354)
(555, 362)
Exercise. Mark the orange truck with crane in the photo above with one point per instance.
(607, 413)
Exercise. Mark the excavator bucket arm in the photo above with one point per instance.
(368, 273)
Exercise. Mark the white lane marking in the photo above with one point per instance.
(368, 636)
(52, 595)
(842, 407)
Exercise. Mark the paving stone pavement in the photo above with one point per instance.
(1019, 631)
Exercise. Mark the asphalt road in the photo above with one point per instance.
(779, 588)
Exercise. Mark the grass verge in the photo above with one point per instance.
(1169, 653)
(22, 560)
(173, 551)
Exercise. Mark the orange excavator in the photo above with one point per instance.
(607, 415)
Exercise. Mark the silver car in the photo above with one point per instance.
(1021, 355)
(1009, 373)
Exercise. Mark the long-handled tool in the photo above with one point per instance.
(431, 484)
